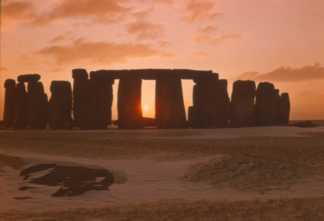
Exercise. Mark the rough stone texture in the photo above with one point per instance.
(9, 103)
(266, 104)
(243, 104)
(170, 110)
(222, 101)
(129, 103)
(29, 78)
(38, 106)
(191, 116)
(81, 98)
(103, 102)
(284, 109)
(21, 107)
(60, 105)
(103, 98)
(153, 74)
(211, 103)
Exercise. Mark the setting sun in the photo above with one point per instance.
(146, 108)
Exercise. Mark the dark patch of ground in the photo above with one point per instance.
(71, 180)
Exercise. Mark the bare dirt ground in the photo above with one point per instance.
(271, 173)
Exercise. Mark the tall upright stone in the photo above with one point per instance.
(81, 98)
(60, 105)
(129, 103)
(21, 107)
(222, 109)
(170, 111)
(266, 104)
(38, 106)
(243, 104)
(9, 102)
(211, 107)
(103, 98)
(284, 109)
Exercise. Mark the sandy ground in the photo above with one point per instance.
(270, 173)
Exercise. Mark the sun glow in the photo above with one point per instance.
(146, 108)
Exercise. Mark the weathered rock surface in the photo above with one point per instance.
(60, 105)
(243, 104)
(81, 98)
(9, 103)
(103, 98)
(170, 110)
(284, 109)
(21, 107)
(211, 103)
(129, 103)
(38, 106)
(266, 104)
(29, 78)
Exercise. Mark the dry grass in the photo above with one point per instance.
(272, 210)
(251, 173)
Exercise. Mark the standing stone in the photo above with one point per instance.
(277, 107)
(170, 110)
(243, 104)
(284, 109)
(211, 103)
(38, 106)
(191, 116)
(222, 103)
(60, 105)
(266, 104)
(9, 103)
(103, 98)
(21, 107)
(129, 103)
(81, 98)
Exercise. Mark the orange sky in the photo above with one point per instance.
(240, 39)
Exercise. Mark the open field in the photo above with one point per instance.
(270, 173)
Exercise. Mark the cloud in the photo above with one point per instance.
(201, 10)
(144, 29)
(164, 1)
(15, 11)
(98, 52)
(99, 10)
(3, 69)
(288, 74)
(209, 38)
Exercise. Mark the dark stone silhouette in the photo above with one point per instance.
(103, 98)
(29, 78)
(223, 108)
(211, 103)
(70, 180)
(38, 106)
(266, 104)
(9, 103)
(153, 74)
(129, 103)
(170, 110)
(284, 109)
(243, 104)
(21, 107)
(81, 87)
(60, 105)
(93, 98)
(191, 116)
